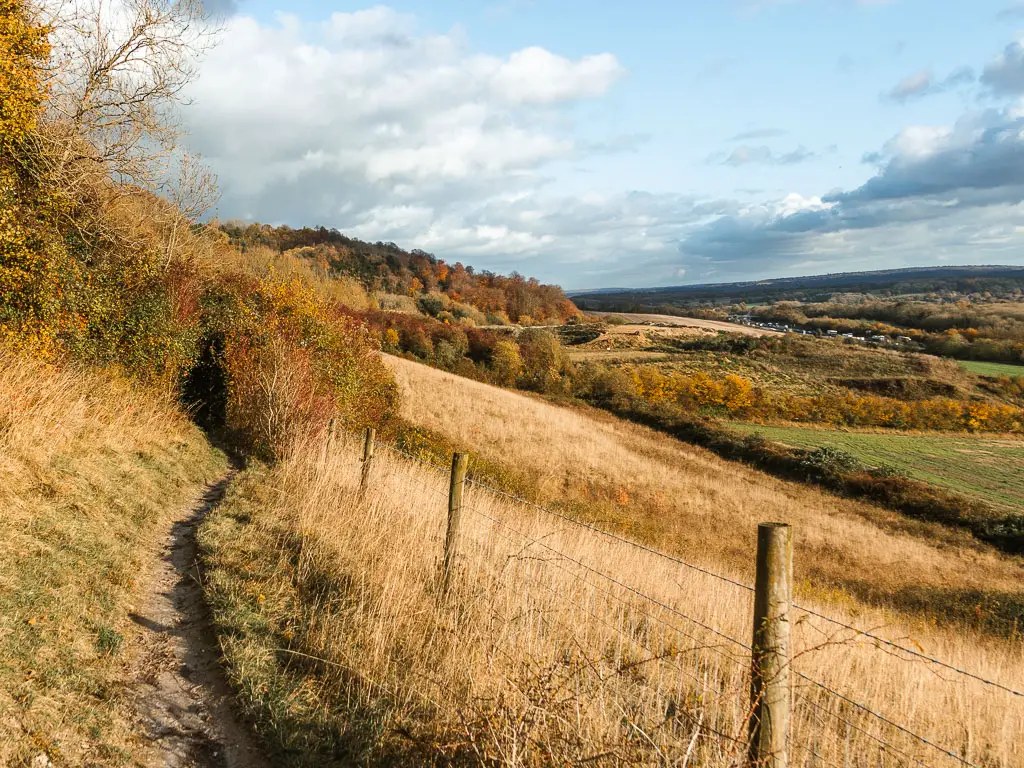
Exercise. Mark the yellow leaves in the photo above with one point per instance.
(23, 48)
(737, 395)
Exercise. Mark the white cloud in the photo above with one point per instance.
(534, 75)
(1005, 75)
(366, 123)
(377, 24)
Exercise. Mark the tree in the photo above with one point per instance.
(506, 362)
(115, 78)
(544, 360)
(118, 71)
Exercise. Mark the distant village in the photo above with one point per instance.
(878, 339)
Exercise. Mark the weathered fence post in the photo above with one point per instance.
(364, 479)
(328, 440)
(458, 481)
(769, 685)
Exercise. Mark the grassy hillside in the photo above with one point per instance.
(685, 500)
(991, 469)
(559, 645)
(91, 469)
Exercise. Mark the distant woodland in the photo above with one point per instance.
(436, 285)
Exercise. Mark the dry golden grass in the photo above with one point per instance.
(90, 468)
(687, 501)
(557, 645)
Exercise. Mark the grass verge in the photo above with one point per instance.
(91, 467)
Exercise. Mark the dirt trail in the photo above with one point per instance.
(181, 695)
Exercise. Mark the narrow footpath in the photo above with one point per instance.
(183, 700)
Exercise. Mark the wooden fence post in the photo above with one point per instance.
(364, 479)
(328, 440)
(769, 685)
(458, 482)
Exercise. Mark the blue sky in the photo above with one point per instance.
(628, 144)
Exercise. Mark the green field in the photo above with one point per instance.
(991, 469)
(991, 369)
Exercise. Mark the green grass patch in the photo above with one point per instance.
(987, 468)
(992, 369)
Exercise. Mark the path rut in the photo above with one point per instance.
(181, 695)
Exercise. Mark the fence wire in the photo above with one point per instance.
(707, 572)
(810, 751)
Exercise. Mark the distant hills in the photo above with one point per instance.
(1003, 280)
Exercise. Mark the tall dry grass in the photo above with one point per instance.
(687, 501)
(92, 467)
(557, 645)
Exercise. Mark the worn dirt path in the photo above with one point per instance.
(181, 695)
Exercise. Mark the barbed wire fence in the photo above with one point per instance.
(824, 720)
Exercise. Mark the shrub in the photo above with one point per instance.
(292, 363)
(756, 441)
(613, 388)
(506, 362)
(415, 341)
(432, 304)
(544, 360)
(446, 354)
(828, 460)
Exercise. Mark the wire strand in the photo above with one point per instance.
(613, 580)
(909, 651)
(609, 534)
(884, 719)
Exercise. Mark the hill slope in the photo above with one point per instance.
(92, 469)
(686, 500)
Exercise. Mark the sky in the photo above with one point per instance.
(611, 144)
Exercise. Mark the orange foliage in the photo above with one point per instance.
(738, 397)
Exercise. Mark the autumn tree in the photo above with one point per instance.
(506, 362)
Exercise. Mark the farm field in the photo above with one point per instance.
(692, 322)
(991, 369)
(988, 468)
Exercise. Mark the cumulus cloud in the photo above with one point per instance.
(933, 185)
(924, 83)
(364, 112)
(367, 123)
